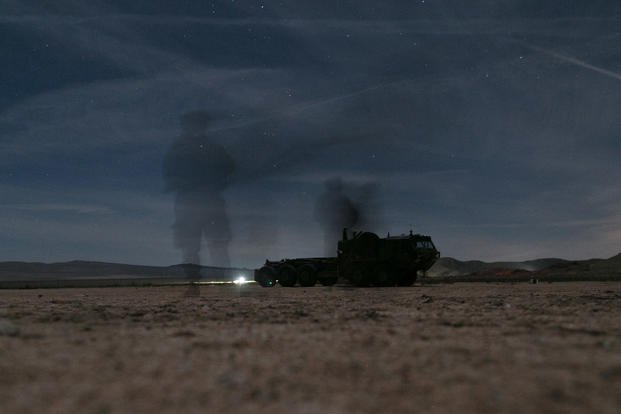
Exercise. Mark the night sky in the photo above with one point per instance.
(492, 125)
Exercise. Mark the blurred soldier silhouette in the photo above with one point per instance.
(198, 170)
(334, 211)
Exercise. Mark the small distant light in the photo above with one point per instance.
(240, 280)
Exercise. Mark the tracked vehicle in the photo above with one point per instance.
(363, 259)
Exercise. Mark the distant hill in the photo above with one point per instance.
(28, 271)
(447, 266)
(451, 270)
(593, 268)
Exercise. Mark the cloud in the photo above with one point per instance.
(108, 238)
(70, 208)
(109, 113)
(574, 61)
(464, 128)
(95, 200)
(85, 223)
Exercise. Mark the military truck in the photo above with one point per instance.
(363, 259)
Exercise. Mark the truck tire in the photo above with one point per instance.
(360, 276)
(266, 276)
(407, 279)
(328, 281)
(307, 276)
(383, 277)
(287, 276)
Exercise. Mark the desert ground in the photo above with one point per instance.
(463, 347)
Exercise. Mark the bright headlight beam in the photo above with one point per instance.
(240, 280)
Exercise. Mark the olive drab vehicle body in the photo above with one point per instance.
(363, 259)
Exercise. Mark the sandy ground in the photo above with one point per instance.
(442, 348)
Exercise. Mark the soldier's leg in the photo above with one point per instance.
(188, 239)
(219, 252)
(187, 235)
(217, 231)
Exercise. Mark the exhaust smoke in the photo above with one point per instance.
(345, 205)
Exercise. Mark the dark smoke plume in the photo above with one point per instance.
(343, 205)
(198, 170)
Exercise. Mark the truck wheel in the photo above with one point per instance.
(360, 277)
(328, 281)
(407, 279)
(266, 276)
(307, 276)
(383, 278)
(287, 276)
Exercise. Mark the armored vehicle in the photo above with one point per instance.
(363, 259)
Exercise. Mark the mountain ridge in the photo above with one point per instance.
(444, 267)
(448, 266)
(85, 269)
